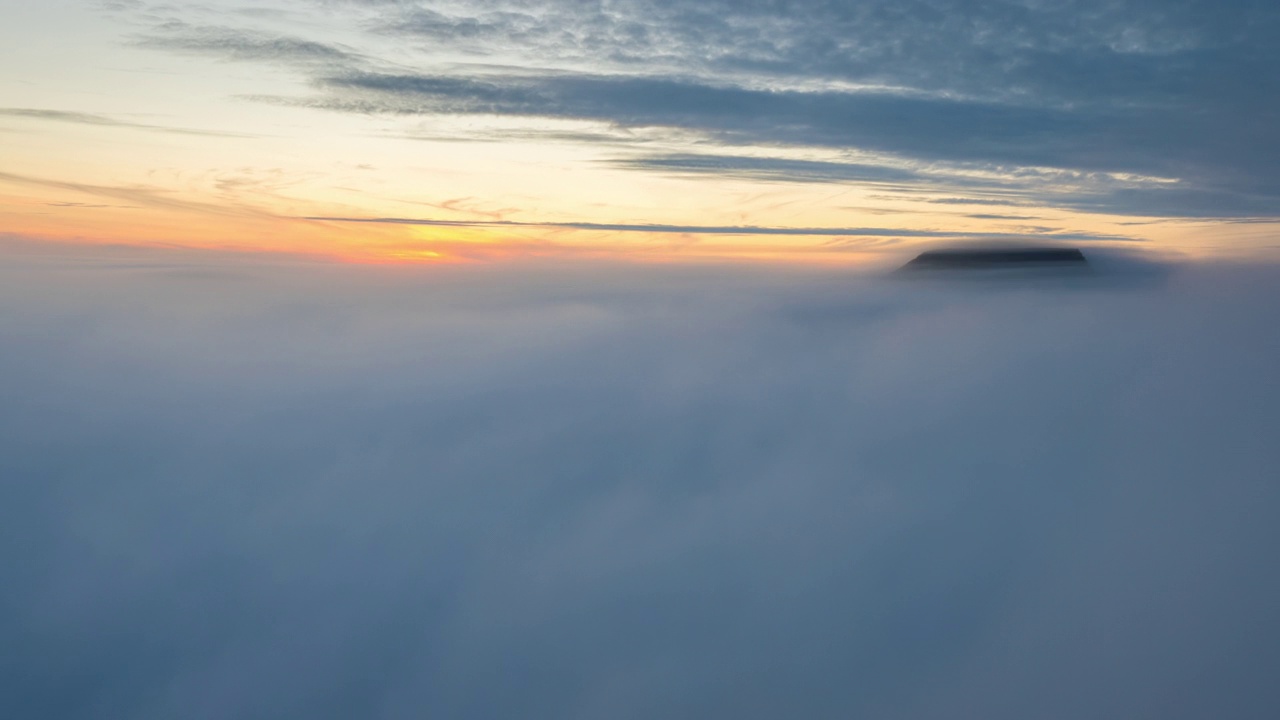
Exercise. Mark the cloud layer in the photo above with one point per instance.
(240, 490)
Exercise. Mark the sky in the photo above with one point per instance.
(657, 130)
(470, 360)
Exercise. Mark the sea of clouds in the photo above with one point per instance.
(234, 488)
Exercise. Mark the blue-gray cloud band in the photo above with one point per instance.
(1114, 87)
(719, 229)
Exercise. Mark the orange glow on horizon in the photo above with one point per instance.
(55, 212)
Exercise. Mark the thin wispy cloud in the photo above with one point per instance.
(83, 118)
(139, 195)
(722, 229)
(242, 45)
(86, 205)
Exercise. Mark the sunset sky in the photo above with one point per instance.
(650, 129)
(551, 360)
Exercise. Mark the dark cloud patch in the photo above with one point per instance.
(312, 491)
(769, 169)
(1095, 192)
(943, 129)
(1182, 200)
(1094, 51)
(1173, 201)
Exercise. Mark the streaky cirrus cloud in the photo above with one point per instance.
(95, 119)
(152, 197)
(1042, 234)
(244, 45)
